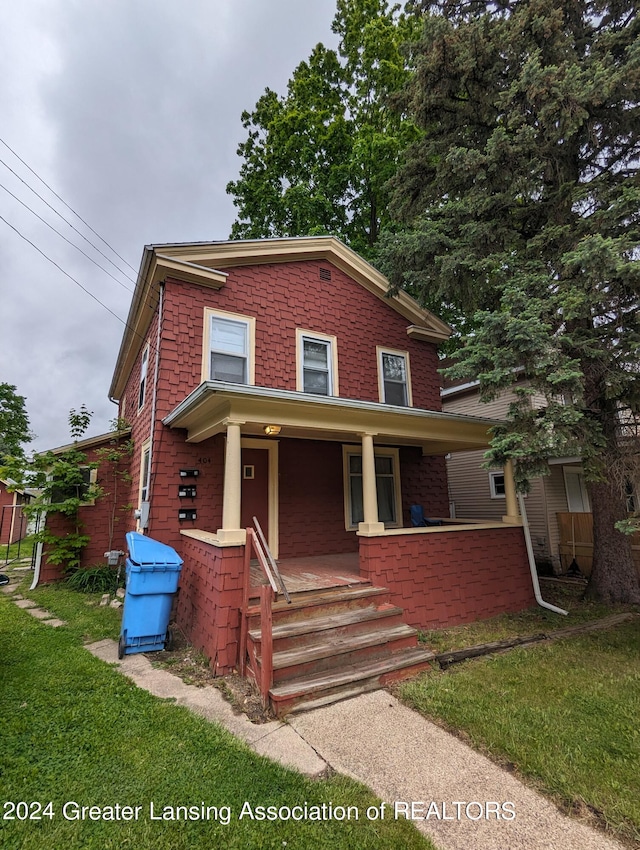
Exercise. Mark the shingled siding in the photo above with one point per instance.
(445, 578)
(210, 599)
(283, 297)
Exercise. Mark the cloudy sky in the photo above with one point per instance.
(130, 111)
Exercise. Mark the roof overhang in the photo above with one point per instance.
(91, 442)
(204, 263)
(211, 406)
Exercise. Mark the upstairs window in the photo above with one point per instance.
(143, 377)
(229, 348)
(393, 377)
(317, 369)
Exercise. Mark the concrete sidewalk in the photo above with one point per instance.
(400, 755)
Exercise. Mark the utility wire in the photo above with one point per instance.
(26, 165)
(152, 345)
(62, 236)
(95, 247)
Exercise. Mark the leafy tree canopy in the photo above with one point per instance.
(317, 160)
(521, 200)
(14, 424)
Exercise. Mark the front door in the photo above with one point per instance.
(255, 489)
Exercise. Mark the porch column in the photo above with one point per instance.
(511, 501)
(231, 534)
(369, 492)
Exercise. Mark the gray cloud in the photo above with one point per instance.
(131, 111)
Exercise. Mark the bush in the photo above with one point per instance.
(100, 579)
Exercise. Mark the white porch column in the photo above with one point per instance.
(369, 492)
(231, 534)
(511, 500)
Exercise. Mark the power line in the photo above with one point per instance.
(62, 236)
(152, 345)
(83, 288)
(66, 221)
(77, 282)
(26, 165)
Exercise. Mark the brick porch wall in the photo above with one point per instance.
(449, 577)
(209, 600)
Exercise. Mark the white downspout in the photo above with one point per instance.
(39, 550)
(532, 562)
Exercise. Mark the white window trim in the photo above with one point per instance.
(249, 321)
(146, 447)
(573, 470)
(492, 485)
(347, 451)
(144, 375)
(301, 335)
(380, 350)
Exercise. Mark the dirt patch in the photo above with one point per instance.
(192, 666)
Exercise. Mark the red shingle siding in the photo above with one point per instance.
(284, 297)
(445, 578)
(210, 599)
(312, 500)
(424, 482)
(96, 519)
(170, 455)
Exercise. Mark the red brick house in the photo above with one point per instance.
(13, 522)
(275, 378)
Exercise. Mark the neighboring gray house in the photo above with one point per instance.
(479, 493)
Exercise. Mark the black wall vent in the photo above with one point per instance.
(325, 274)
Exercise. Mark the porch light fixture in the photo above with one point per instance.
(272, 430)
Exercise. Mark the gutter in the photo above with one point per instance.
(532, 562)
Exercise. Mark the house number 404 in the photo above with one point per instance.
(204, 460)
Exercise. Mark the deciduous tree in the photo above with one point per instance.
(317, 160)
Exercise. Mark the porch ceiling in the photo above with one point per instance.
(209, 408)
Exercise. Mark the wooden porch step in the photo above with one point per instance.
(331, 686)
(312, 598)
(380, 637)
(350, 617)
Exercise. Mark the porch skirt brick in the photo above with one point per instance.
(210, 600)
(451, 577)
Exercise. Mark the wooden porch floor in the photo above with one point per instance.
(314, 573)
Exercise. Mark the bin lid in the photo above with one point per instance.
(145, 550)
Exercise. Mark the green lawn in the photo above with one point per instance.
(566, 714)
(76, 731)
(23, 550)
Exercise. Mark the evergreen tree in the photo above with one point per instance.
(521, 200)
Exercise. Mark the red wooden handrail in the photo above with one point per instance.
(264, 675)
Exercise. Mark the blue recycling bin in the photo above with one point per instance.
(153, 571)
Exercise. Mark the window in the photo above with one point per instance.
(577, 496)
(228, 351)
(87, 477)
(317, 365)
(145, 473)
(393, 377)
(496, 484)
(143, 377)
(387, 487)
(630, 496)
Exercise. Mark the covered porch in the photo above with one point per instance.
(339, 526)
(369, 447)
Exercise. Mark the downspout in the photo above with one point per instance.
(39, 550)
(156, 370)
(532, 562)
